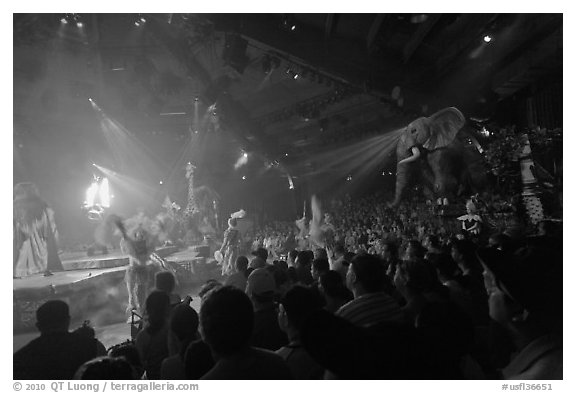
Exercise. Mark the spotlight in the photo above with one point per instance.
(196, 99)
(245, 155)
(243, 177)
(487, 38)
(79, 24)
(293, 27)
(90, 99)
(161, 182)
(143, 20)
(64, 21)
(137, 23)
(286, 154)
(295, 76)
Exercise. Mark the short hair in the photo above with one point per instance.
(333, 284)
(420, 275)
(321, 265)
(184, 322)
(241, 263)
(305, 257)
(299, 303)
(227, 320)
(157, 307)
(434, 241)
(105, 367)
(320, 253)
(208, 286)
(369, 271)
(392, 247)
(128, 351)
(165, 281)
(54, 314)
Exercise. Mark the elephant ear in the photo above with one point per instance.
(444, 125)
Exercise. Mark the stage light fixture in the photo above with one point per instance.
(293, 28)
(64, 21)
(243, 177)
(245, 155)
(487, 38)
(142, 19)
(79, 24)
(137, 23)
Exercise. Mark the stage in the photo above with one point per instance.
(94, 286)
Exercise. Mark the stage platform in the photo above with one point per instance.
(94, 286)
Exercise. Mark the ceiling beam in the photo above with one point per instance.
(374, 29)
(525, 68)
(419, 36)
(330, 25)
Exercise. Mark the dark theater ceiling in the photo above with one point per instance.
(284, 85)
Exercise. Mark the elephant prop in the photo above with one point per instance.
(433, 152)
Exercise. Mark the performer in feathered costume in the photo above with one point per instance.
(321, 227)
(35, 234)
(138, 243)
(471, 221)
(230, 249)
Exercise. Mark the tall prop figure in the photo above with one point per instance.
(230, 249)
(35, 234)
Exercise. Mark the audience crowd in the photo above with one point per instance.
(404, 293)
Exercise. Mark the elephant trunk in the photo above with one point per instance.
(402, 178)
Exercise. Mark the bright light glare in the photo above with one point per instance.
(80, 24)
(105, 193)
(487, 38)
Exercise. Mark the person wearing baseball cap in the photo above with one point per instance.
(261, 289)
(525, 296)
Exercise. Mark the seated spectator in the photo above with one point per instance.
(128, 351)
(198, 360)
(318, 268)
(261, 289)
(239, 277)
(525, 297)
(152, 341)
(390, 257)
(432, 245)
(226, 323)
(294, 310)
(260, 258)
(303, 262)
(207, 287)
(106, 368)
(371, 305)
(183, 330)
(57, 353)
(418, 284)
(166, 282)
(292, 254)
(334, 291)
(338, 260)
(463, 253)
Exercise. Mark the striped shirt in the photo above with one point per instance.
(370, 309)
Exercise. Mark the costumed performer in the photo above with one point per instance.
(35, 234)
(230, 249)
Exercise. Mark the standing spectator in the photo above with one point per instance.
(152, 341)
(295, 308)
(166, 282)
(239, 277)
(334, 291)
(261, 289)
(183, 330)
(57, 353)
(226, 323)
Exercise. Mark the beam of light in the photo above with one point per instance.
(130, 153)
(132, 188)
(360, 158)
